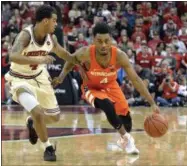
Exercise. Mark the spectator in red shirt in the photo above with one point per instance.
(138, 32)
(173, 15)
(137, 44)
(170, 28)
(144, 58)
(81, 42)
(154, 42)
(169, 88)
(184, 61)
(179, 45)
(148, 12)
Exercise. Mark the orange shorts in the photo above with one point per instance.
(113, 94)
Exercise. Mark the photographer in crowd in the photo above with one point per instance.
(169, 89)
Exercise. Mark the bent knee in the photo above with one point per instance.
(56, 118)
(37, 113)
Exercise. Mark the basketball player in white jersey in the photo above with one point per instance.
(29, 79)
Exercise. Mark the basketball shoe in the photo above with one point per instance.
(33, 137)
(49, 154)
(126, 142)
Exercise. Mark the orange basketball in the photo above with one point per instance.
(155, 125)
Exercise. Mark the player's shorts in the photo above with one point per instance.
(40, 87)
(114, 94)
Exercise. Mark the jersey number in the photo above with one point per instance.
(34, 67)
(104, 81)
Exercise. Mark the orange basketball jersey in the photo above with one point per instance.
(102, 83)
(101, 78)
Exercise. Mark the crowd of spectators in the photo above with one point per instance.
(153, 34)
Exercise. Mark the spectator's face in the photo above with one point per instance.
(138, 39)
(16, 12)
(103, 43)
(144, 48)
(129, 53)
(81, 37)
(173, 11)
(74, 7)
(124, 38)
(5, 45)
(130, 10)
(50, 23)
(156, 37)
(105, 6)
(164, 68)
(148, 5)
(169, 50)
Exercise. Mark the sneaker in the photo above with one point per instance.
(127, 144)
(49, 154)
(33, 137)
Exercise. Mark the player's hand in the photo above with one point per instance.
(56, 81)
(48, 59)
(155, 108)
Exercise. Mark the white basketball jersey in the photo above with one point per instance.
(33, 50)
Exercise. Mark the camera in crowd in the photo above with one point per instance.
(167, 80)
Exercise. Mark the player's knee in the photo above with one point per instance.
(56, 118)
(37, 113)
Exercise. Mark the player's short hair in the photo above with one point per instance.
(101, 28)
(44, 11)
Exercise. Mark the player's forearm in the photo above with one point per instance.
(23, 60)
(66, 69)
(67, 57)
(140, 87)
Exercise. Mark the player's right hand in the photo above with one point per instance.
(56, 81)
(48, 59)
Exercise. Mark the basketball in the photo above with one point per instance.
(155, 125)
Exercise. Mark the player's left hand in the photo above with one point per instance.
(56, 81)
(155, 108)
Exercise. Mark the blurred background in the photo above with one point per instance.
(153, 34)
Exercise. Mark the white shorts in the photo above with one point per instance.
(40, 87)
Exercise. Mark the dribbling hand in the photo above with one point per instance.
(56, 81)
(155, 109)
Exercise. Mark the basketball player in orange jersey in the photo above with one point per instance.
(29, 79)
(100, 62)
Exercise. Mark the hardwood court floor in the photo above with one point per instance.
(84, 137)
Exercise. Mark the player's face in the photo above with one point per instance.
(103, 43)
(51, 23)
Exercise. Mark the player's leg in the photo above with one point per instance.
(107, 106)
(127, 121)
(30, 103)
(122, 110)
(126, 141)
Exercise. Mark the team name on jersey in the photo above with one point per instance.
(106, 74)
(36, 53)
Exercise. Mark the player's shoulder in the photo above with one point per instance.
(82, 53)
(23, 37)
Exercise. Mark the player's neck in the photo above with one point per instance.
(39, 32)
(99, 56)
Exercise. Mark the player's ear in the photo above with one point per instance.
(45, 21)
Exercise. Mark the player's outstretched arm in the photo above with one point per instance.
(123, 61)
(62, 53)
(21, 42)
(80, 56)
